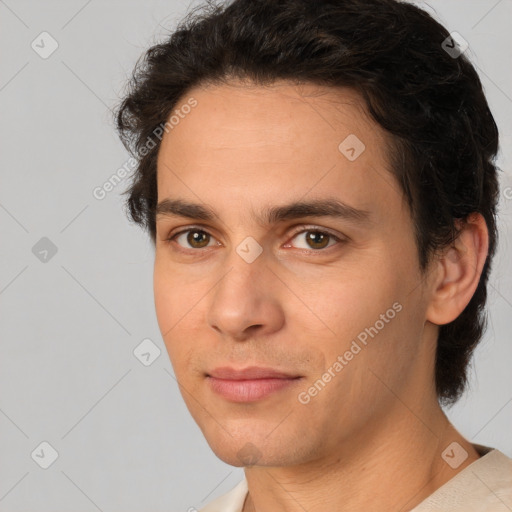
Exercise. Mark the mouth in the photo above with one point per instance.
(249, 384)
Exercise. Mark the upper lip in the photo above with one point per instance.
(249, 373)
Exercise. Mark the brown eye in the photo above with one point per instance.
(197, 238)
(193, 238)
(315, 239)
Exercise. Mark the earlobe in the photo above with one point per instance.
(460, 267)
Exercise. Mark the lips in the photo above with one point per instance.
(249, 384)
(250, 373)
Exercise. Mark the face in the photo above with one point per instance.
(286, 323)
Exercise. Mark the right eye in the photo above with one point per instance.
(192, 238)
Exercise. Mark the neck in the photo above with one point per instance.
(396, 464)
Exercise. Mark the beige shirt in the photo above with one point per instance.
(483, 486)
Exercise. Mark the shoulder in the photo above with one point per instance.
(483, 486)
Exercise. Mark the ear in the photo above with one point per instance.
(458, 271)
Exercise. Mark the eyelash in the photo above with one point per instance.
(302, 229)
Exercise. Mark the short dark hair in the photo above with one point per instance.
(431, 102)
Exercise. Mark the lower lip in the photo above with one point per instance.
(248, 390)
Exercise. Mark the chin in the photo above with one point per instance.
(252, 449)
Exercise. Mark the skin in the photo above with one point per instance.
(377, 424)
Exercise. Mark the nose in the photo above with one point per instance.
(245, 302)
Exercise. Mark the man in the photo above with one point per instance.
(319, 182)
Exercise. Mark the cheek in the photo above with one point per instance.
(343, 302)
(361, 313)
(172, 307)
(164, 291)
(175, 296)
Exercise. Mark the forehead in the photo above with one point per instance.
(273, 141)
(283, 113)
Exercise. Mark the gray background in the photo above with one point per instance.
(69, 325)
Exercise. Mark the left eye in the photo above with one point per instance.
(314, 239)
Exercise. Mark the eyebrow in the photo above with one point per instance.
(329, 207)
